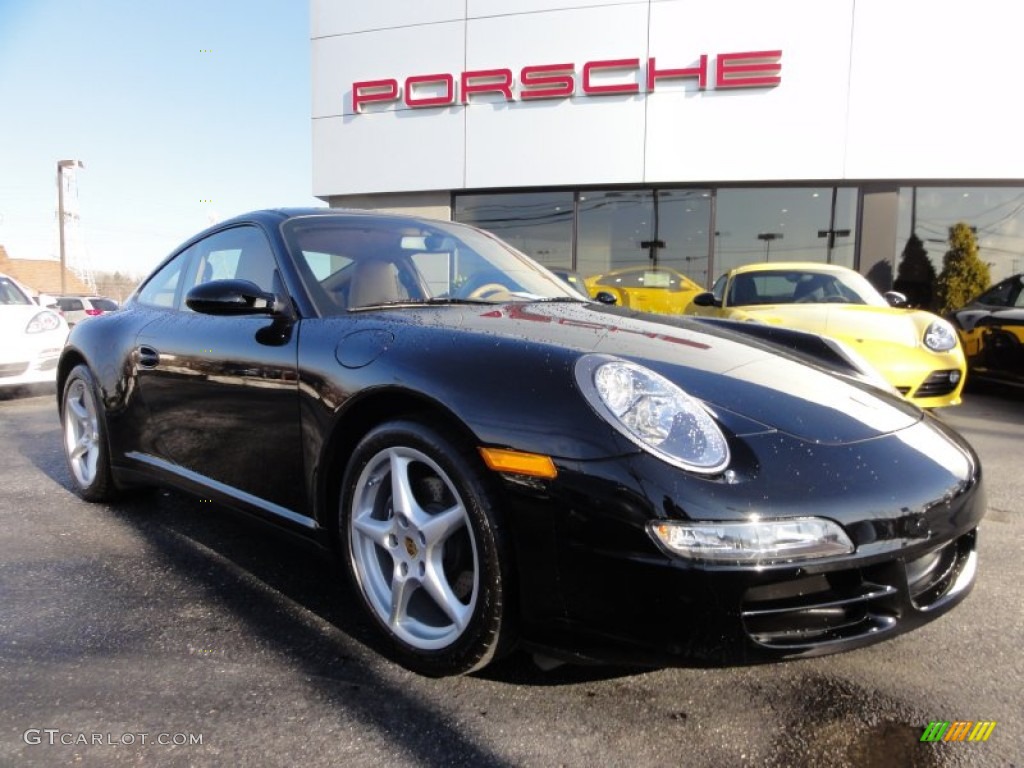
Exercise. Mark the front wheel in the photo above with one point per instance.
(423, 543)
(85, 437)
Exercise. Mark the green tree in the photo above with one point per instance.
(964, 275)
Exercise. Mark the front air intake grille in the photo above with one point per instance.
(821, 610)
(930, 576)
(938, 383)
(804, 613)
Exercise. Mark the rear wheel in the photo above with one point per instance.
(85, 437)
(421, 537)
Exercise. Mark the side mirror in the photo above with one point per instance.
(895, 298)
(706, 299)
(604, 297)
(233, 297)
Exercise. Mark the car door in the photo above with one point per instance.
(220, 396)
(1001, 332)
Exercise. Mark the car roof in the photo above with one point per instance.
(277, 215)
(643, 268)
(273, 217)
(791, 266)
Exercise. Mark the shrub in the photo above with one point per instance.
(964, 275)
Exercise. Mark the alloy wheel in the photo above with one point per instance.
(81, 432)
(412, 548)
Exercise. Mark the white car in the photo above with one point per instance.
(31, 337)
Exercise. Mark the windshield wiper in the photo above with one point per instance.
(452, 300)
(434, 301)
(563, 300)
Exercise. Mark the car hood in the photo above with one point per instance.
(731, 373)
(856, 322)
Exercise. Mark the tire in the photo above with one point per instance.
(432, 571)
(84, 434)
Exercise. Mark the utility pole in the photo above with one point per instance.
(61, 165)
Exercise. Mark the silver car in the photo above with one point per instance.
(76, 308)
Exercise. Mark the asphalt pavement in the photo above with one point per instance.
(168, 631)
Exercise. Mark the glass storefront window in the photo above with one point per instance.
(537, 223)
(671, 228)
(629, 228)
(614, 230)
(785, 224)
(684, 227)
(995, 213)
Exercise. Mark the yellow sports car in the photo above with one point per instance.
(647, 289)
(917, 352)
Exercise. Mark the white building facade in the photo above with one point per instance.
(606, 133)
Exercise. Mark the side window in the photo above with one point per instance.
(242, 253)
(162, 288)
(69, 305)
(1000, 296)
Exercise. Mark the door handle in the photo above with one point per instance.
(148, 357)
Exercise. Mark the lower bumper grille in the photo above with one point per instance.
(842, 606)
(938, 383)
(834, 614)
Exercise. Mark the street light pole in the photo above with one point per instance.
(767, 237)
(61, 165)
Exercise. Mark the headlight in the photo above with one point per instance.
(654, 413)
(754, 542)
(940, 336)
(44, 321)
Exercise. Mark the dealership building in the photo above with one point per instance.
(601, 134)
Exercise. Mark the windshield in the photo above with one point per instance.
(12, 294)
(788, 286)
(352, 262)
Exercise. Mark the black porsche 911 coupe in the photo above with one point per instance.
(991, 329)
(502, 463)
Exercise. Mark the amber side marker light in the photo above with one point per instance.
(519, 463)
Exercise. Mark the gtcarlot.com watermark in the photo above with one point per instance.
(55, 736)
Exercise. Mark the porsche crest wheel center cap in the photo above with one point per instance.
(410, 547)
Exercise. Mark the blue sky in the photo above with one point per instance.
(160, 124)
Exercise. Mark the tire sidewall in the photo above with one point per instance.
(485, 634)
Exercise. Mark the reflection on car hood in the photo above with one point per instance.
(723, 369)
(845, 321)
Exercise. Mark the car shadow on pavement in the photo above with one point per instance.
(306, 575)
(25, 391)
(293, 597)
(278, 589)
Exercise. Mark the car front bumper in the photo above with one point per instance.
(622, 599)
(31, 363)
